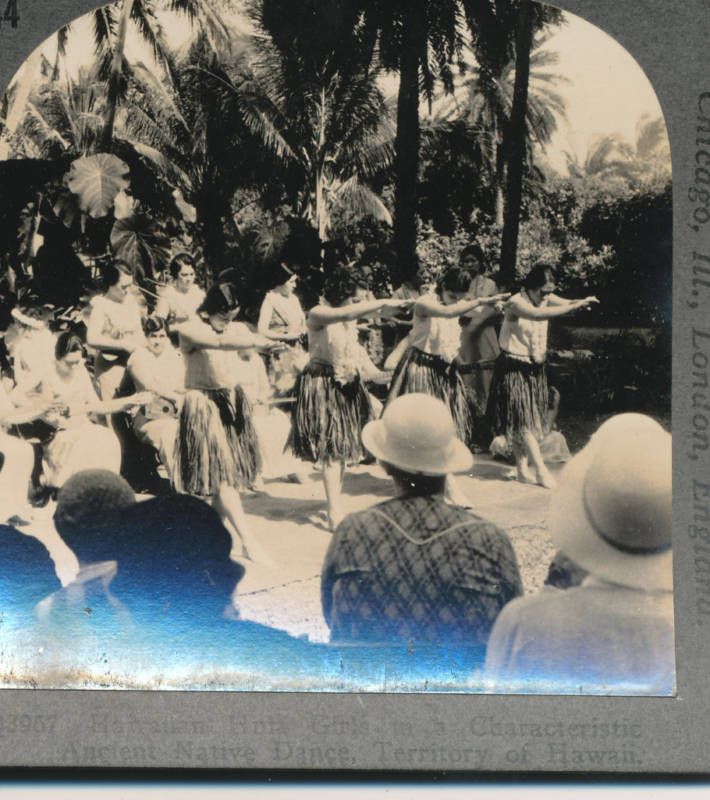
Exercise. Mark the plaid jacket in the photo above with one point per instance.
(416, 569)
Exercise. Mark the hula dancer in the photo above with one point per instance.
(332, 405)
(518, 401)
(216, 449)
(429, 365)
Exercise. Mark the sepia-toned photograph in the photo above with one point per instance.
(335, 353)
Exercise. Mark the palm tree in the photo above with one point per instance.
(612, 159)
(317, 106)
(422, 40)
(485, 102)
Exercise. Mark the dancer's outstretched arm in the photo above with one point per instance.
(320, 316)
(205, 338)
(431, 307)
(526, 310)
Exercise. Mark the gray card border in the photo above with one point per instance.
(42, 728)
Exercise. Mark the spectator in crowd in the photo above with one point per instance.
(180, 299)
(611, 515)
(79, 442)
(114, 328)
(158, 368)
(415, 568)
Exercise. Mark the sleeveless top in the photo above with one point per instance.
(281, 311)
(521, 338)
(439, 336)
(179, 304)
(337, 346)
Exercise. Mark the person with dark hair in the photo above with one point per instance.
(518, 400)
(479, 337)
(430, 363)
(161, 592)
(114, 328)
(332, 405)
(216, 452)
(158, 368)
(416, 568)
(180, 299)
(281, 318)
(79, 442)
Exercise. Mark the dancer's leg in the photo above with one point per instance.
(333, 472)
(532, 447)
(228, 504)
(522, 468)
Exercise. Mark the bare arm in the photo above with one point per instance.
(18, 416)
(431, 307)
(320, 316)
(207, 338)
(526, 310)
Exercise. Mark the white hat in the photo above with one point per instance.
(31, 322)
(611, 513)
(417, 435)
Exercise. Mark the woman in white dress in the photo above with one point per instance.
(180, 299)
(282, 319)
(158, 368)
(114, 328)
(79, 442)
(332, 405)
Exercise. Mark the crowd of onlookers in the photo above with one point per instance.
(418, 587)
(414, 585)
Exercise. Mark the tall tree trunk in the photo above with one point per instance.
(114, 79)
(515, 144)
(406, 159)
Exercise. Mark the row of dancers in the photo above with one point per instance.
(196, 407)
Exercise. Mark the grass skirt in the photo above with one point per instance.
(518, 399)
(418, 371)
(216, 442)
(329, 417)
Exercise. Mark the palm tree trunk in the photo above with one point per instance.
(515, 144)
(114, 78)
(406, 159)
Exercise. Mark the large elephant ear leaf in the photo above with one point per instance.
(96, 180)
(137, 241)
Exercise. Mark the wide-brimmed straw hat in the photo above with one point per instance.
(611, 513)
(417, 435)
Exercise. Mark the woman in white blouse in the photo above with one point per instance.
(518, 401)
(114, 328)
